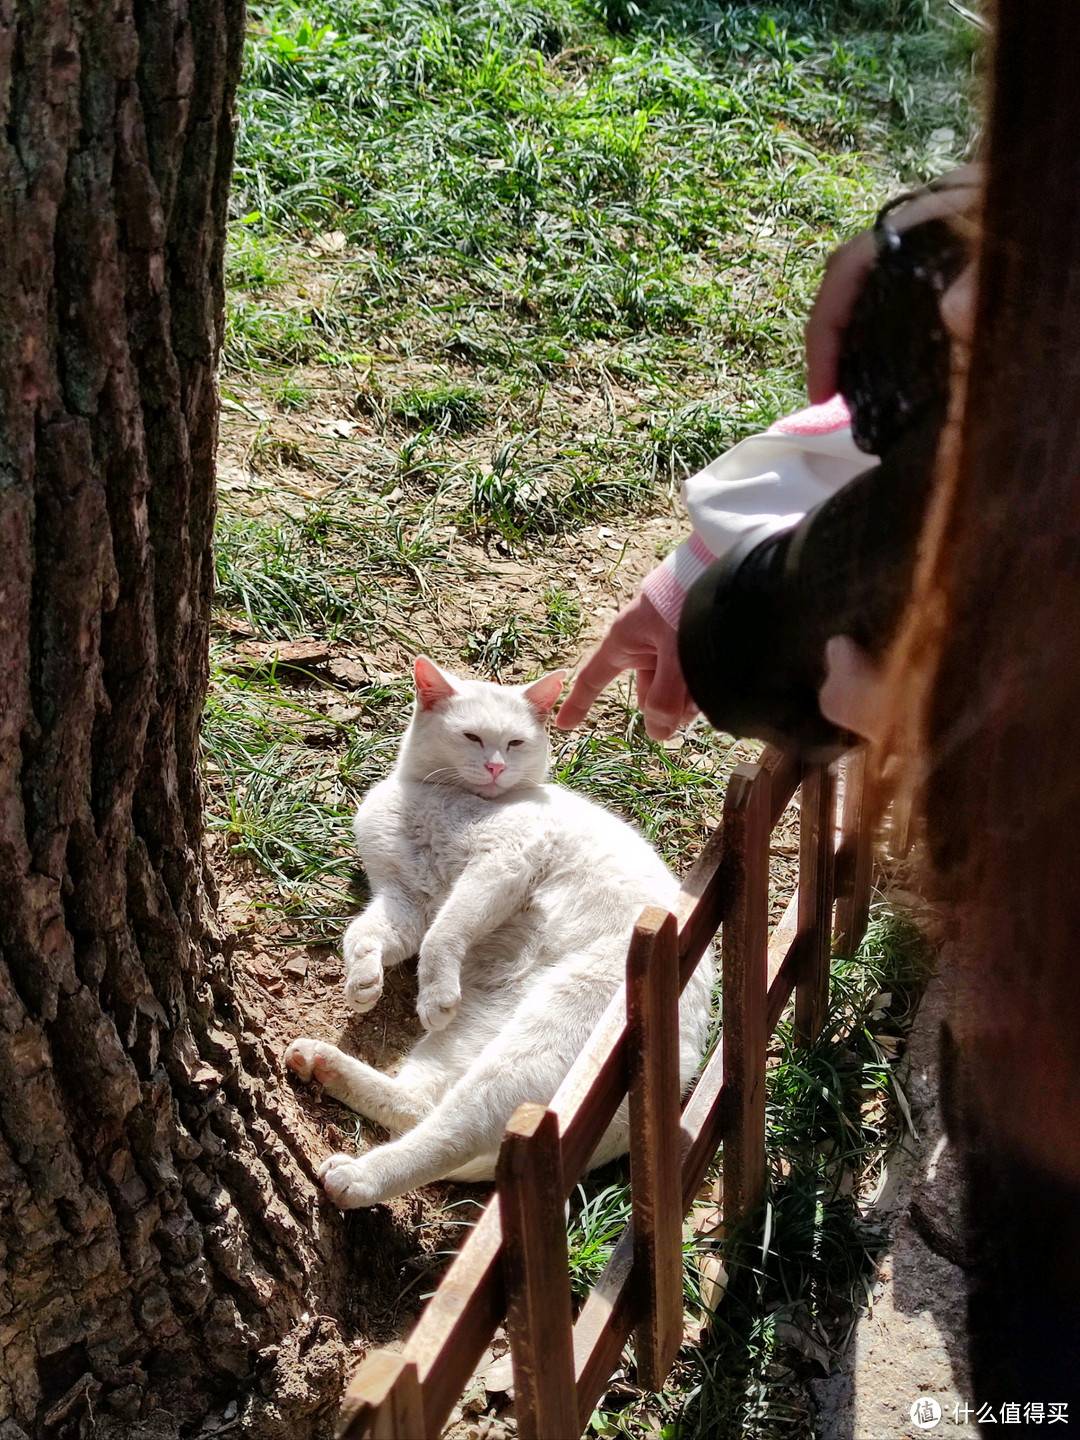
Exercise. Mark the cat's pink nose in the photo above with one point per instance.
(494, 768)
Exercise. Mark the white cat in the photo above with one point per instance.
(520, 899)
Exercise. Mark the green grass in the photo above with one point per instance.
(279, 805)
(534, 191)
(448, 409)
(282, 585)
(291, 394)
(674, 796)
(523, 495)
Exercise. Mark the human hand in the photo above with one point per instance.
(845, 273)
(854, 693)
(958, 305)
(848, 266)
(639, 638)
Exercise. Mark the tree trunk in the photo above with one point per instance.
(162, 1236)
(1004, 775)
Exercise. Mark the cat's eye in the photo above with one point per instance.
(514, 742)
(469, 736)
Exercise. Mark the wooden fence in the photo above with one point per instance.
(514, 1264)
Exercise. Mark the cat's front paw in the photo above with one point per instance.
(363, 967)
(437, 1003)
(346, 1179)
(362, 990)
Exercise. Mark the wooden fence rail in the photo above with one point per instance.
(514, 1265)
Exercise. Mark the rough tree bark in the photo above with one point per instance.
(162, 1239)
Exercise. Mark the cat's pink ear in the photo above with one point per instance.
(432, 686)
(543, 693)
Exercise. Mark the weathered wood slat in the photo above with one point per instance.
(785, 773)
(745, 965)
(703, 1115)
(817, 825)
(539, 1317)
(784, 948)
(783, 983)
(390, 1405)
(702, 1127)
(699, 908)
(604, 1325)
(652, 1031)
(459, 1321)
(702, 1118)
(857, 848)
(593, 1090)
(783, 935)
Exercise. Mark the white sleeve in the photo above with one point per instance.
(763, 484)
(769, 482)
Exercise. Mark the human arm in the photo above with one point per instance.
(854, 693)
(767, 481)
(640, 639)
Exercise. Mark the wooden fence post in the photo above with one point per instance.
(745, 986)
(539, 1318)
(817, 854)
(857, 847)
(652, 1021)
(392, 1407)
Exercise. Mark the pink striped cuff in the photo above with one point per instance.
(665, 587)
(815, 419)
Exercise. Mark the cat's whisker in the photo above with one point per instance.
(439, 770)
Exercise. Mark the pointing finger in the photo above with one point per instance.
(604, 665)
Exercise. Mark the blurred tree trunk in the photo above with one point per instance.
(1004, 725)
(159, 1225)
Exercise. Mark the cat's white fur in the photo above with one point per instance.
(520, 898)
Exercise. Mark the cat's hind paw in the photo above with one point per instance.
(312, 1060)
(438, 1004)
(345, 1179)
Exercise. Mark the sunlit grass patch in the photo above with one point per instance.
(573, 180)
(446, 408)
(259, 333)
(674, 795)
(274, 806)
(283, 587)
(253, 261)
(507, 634)
(286, 771)
(292, 394)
